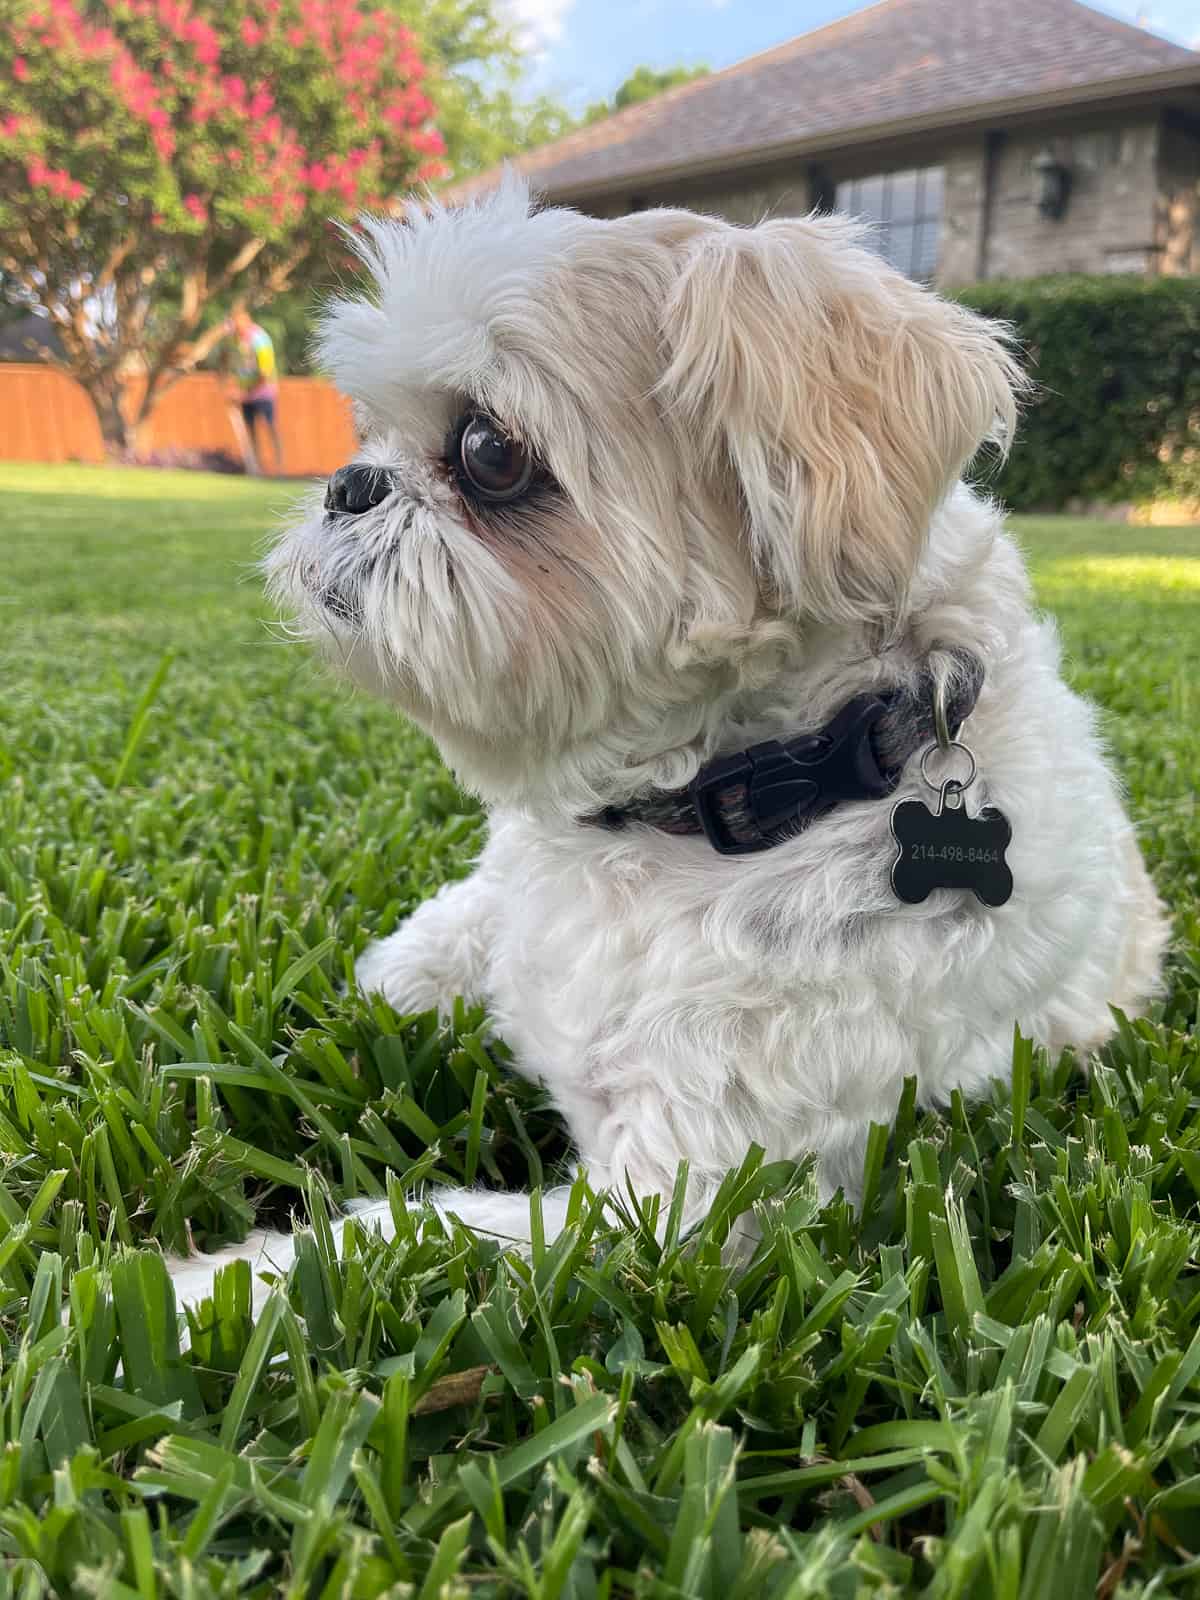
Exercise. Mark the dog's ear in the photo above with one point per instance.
(844, 399)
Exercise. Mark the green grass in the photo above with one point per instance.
(988, 1386)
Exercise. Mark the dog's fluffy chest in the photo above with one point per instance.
(775, 998)
(641, 971)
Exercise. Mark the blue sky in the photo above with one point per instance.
(584, 48)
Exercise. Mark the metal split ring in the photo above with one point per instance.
(939, 749)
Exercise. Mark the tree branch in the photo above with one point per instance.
(191, 299)
(277, 280)
(178, 355)
(248, 253)
(116, 261)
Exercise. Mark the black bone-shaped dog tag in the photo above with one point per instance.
(947, 849)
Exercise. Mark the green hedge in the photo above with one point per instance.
(1117, 416)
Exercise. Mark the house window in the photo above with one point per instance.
(906, 209)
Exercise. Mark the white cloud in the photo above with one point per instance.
(540, 22)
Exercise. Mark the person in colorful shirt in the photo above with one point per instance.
(257, 386)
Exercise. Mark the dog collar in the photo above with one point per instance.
(760, 796)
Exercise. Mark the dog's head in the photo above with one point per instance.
(610, 465)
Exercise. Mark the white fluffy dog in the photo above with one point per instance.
(639, 494)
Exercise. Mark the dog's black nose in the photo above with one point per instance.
(357, 488)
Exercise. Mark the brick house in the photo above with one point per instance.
(985, 138)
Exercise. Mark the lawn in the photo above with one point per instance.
(987, 1385)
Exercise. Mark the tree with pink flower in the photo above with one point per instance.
(160, 156)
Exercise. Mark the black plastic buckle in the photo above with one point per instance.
(795, 782)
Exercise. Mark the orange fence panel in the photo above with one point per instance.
(316, 426)
(46, 416)
(191, 415)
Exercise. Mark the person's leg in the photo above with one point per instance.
(241, 436)
(249, 455)
(271, 415)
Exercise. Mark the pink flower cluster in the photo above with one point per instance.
(427, 142)
(197, 74)
(62, 29)
(344, 177)
(61, 184)
(175, 18)
(135, 88)
(408, 108)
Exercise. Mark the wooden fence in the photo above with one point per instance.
(46, 416)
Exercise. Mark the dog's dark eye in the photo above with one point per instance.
(496, 467)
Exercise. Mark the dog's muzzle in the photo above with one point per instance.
(357, 488)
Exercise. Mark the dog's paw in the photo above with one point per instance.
(194, 1277)
(274, 1254)
(403, 973)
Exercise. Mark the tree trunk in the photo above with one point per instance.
(106, 395)
(169, 357)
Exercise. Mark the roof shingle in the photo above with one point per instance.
(896, 60)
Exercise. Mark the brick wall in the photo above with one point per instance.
(780, 194)
(1134, 202)
(1109, 221)
(1178, 203)
(783, 196)
(964, 226)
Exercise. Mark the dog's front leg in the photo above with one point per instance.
(502, 1216)
(441, 951)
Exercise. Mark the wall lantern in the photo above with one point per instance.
(1051, 185)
